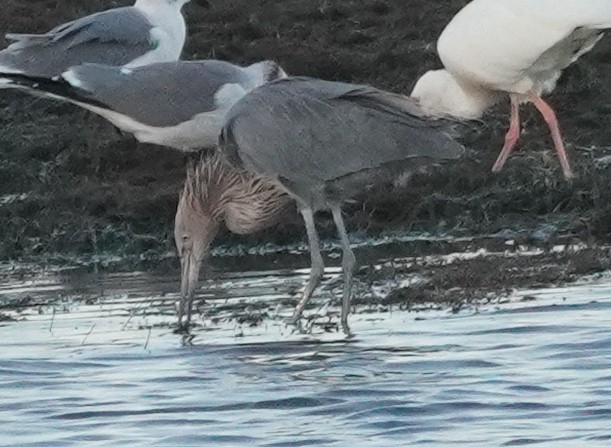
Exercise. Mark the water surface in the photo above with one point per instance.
(96, 363)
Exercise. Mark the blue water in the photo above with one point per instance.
(110, 372)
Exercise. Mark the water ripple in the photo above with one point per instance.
(107, 373)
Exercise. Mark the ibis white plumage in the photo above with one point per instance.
(515, 47)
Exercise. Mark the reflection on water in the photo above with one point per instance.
(106, 369)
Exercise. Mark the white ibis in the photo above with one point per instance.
(515, 47)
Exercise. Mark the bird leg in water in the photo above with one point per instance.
(317, 268)
(348, 264)
(552, 122)
(512, 136)
(186, 302)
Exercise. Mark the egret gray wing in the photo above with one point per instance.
(113, 37)
(311, 131)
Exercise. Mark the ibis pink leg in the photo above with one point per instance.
(552, 122)
(512, 136)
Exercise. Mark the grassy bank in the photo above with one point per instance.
(72, 184)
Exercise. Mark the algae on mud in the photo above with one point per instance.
(83, 188)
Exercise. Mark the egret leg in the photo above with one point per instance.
(185, 303)
(317, 269)
(348, 265)
(181, 311)
(512, 136)
(552, 122)
(189, 310)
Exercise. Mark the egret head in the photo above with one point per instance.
(216, 193)
(195, 227)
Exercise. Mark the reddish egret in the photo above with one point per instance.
(323, 142)
(147, 32)
(214, 193)
(178, 104)
(519, 47)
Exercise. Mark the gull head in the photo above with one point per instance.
(265, 71)
(174, 4)
(273, 70)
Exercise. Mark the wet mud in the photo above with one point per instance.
(72, 185)
(453, 282)
(254, 291)
(496, 275)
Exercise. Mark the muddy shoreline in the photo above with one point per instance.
(450, 283)
(464, 275)
(71, 186)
